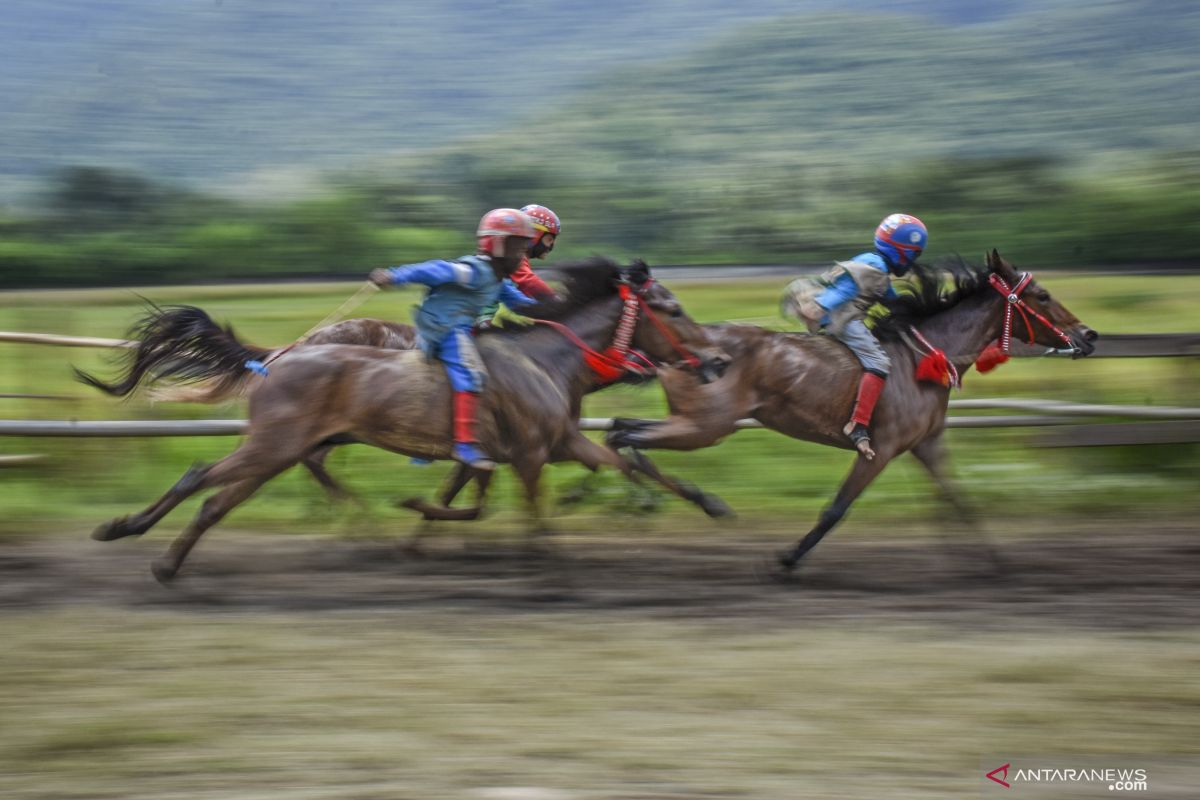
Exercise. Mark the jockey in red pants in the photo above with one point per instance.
(848, 291)
(458, 291)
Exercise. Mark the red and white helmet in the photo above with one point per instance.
(500, 223)
(546, 223)
(545, 220)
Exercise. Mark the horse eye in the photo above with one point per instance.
(676, 312)
(1043, 297)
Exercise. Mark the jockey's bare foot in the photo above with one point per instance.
(469, 453)
(860, 437)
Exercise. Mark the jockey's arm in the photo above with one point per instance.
(843, 290)
(513, 297)
(530, 283)
(433, 273)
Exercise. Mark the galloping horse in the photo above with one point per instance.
(804, 385)
(326, 394)
(210, 374)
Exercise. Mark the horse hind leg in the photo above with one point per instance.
(194, 480)
(259, 458)
(211, 512)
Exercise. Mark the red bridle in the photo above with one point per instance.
(1012, 294)
(612, 363)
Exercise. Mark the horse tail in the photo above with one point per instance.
(182, 344)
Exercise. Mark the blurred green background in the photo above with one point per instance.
(157, 143)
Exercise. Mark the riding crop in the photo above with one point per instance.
(338, 314)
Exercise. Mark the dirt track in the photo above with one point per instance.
(1077, 579)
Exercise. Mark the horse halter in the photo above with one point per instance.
(611, 364)
(1012, 295)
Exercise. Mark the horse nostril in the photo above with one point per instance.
(1090, 335)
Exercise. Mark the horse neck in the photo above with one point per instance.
(963, 331)
(594, 323)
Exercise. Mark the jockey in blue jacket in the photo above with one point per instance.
(458, 291)
(844, 296)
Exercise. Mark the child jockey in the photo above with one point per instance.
(458, 291)
(838, 302)
(546, 227)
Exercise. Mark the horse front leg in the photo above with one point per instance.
(529, 470)
(456, 481)
(314, 462)
(674, 433)
(861, 474)
(710, 504)
(931, 454)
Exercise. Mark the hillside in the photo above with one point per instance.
(209, 89)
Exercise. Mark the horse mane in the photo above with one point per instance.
(582, 282)
(929, 290)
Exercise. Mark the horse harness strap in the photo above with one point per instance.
(936, 366)
(1013, 297)
(614, 361)
(688, 356)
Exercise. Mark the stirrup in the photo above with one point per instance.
(860, 437)
(469, 453)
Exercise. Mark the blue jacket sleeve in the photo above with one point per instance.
(842, 290)
(513, 297)
(434, 273)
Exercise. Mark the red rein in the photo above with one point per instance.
(613, 362)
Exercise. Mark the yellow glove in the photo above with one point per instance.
(507, 318)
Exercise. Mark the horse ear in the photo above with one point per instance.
(1001, 267)
(637, 273)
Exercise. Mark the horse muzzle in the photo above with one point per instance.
(1083, 341)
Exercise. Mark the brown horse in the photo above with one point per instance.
(324, 394)
(210, 374)
(804, 385)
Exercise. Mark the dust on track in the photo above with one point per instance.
(1121, 580)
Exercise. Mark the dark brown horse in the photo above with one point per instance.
(804, 385)
(323, 394)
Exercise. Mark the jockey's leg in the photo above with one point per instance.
(467, 376)
(876, 364)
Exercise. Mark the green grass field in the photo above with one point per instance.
(551, 707)
(759, 473)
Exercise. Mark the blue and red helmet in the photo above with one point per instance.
(901, 238)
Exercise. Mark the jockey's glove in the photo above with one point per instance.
(507, 318)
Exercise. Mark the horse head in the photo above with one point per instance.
(665, 331)
(1034, 315)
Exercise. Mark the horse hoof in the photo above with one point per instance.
(787, 561)
(771, 569)
(164, 571)
(114, 529)
(716, 508)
